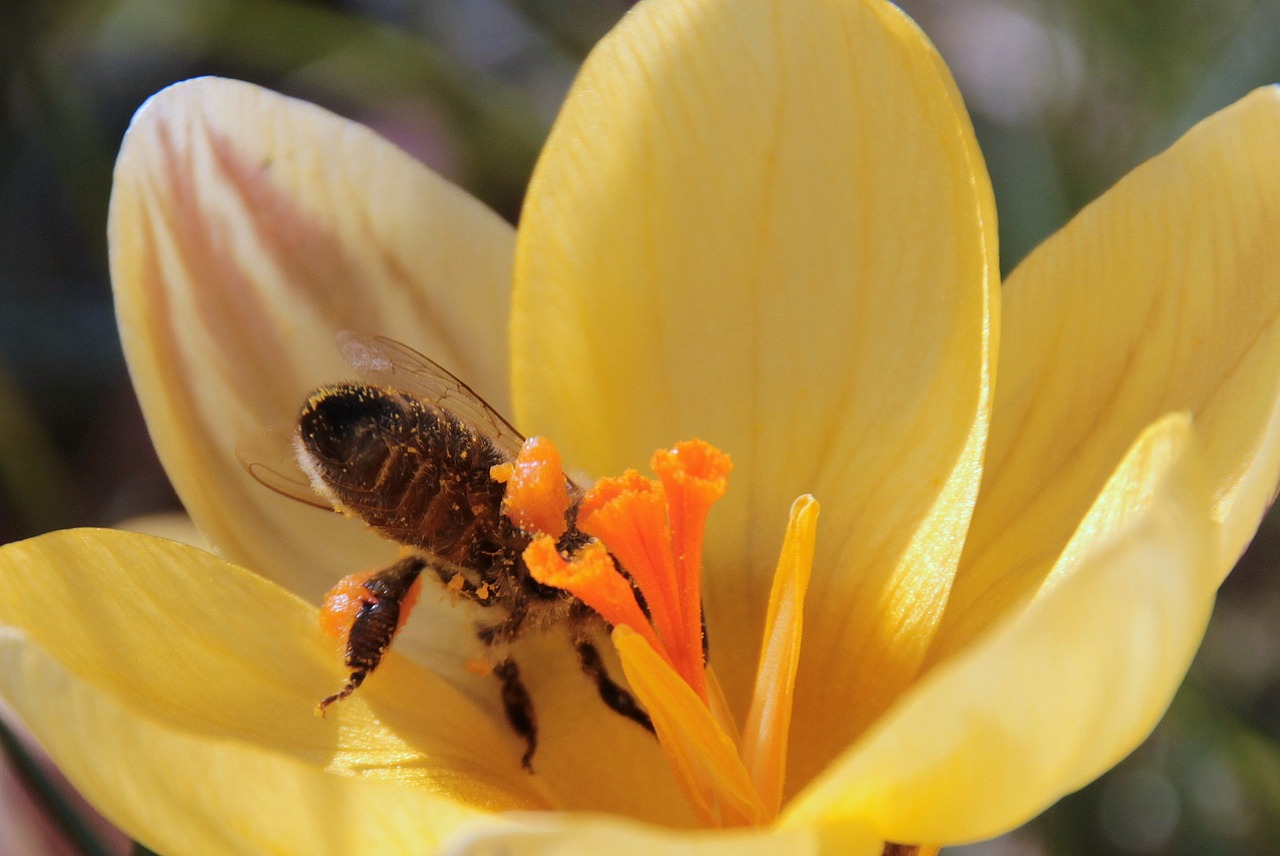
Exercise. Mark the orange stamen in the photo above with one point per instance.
(537, 496)
(593, 578)
(694, 475)
(629, 515)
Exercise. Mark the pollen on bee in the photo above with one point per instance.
(455, 585)
(537, 496)
(342, 603)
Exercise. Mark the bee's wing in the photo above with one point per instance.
(268, 457)
(386, 362)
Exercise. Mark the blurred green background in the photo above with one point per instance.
(1066, 97)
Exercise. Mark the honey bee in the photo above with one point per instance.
(408, 450)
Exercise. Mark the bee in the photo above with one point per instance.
(409, 451)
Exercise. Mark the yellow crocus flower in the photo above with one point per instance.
(764, 223)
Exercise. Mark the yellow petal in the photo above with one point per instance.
(190, 793)
(203, 646)
(582, 745)
(570, 835)
(1163, 295)
(766, 224)
(1057, 694)
(245, 229)
(188, 642)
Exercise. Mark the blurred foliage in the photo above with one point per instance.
(1067, 96)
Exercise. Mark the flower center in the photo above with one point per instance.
(642, 574)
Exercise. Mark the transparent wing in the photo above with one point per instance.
(268, 457)
(386, 362)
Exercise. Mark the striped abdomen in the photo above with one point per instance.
(412, 471)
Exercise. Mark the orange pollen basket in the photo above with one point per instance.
(343, 602)
(653, 528)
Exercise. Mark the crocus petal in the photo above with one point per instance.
(1163, 295)
(590, 759)
(203, 648)
(200, 645)
(566, 835)
(1059, 693)
(181, 792)
(245, 229)
(766, 224)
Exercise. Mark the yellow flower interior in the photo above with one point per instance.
(654, 529)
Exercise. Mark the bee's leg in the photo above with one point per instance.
(515, 697)
(617, 699)
(519, 708)
(375, 622)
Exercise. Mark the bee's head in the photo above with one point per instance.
(345, 429)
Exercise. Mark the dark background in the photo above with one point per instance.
(1066, 96)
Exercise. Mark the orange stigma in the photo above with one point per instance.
(652, 596)
(694, 475)
(593, 578)
(653, 527)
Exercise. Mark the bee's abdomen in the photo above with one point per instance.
(411, 470)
